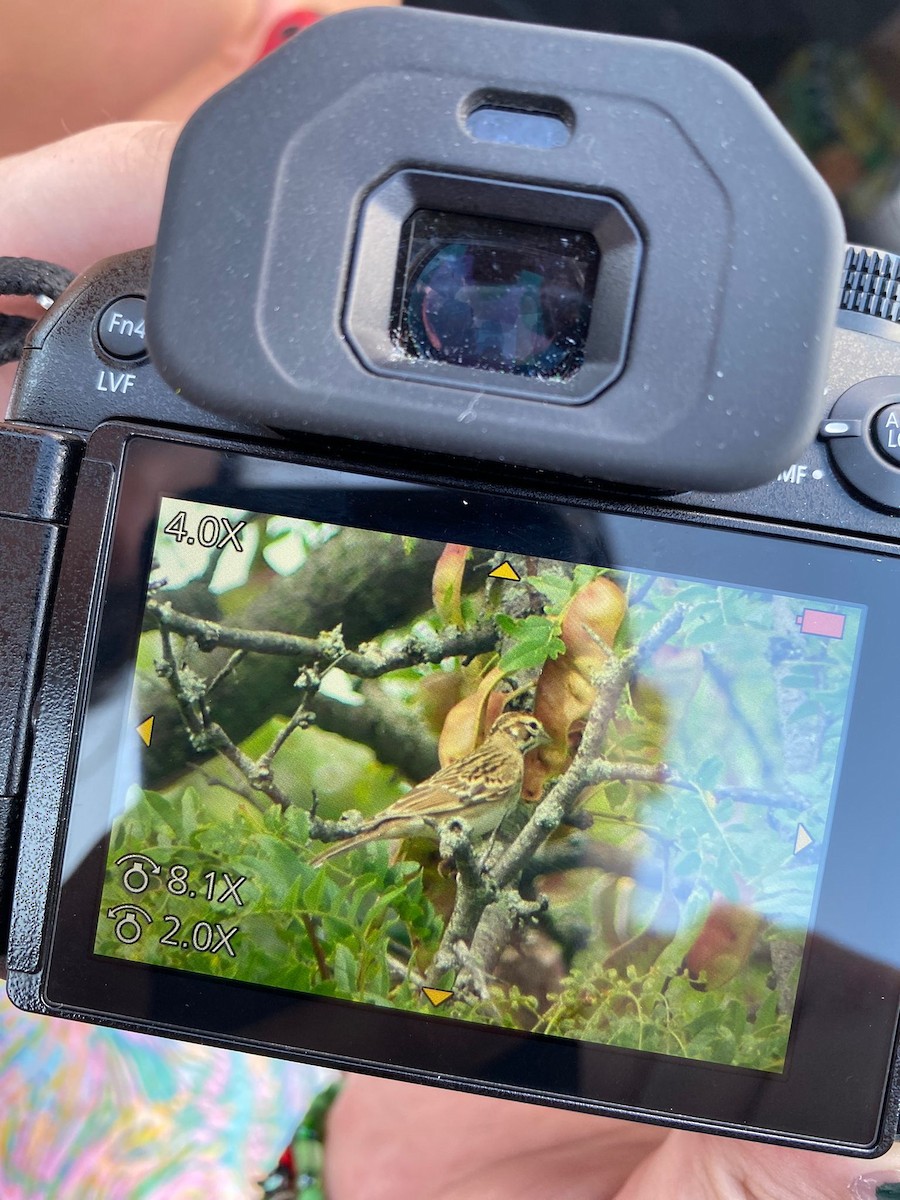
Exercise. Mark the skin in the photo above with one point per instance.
(83, 64)
(68, 66)
(99, 193)
(82, 199)
(456, 1147)
(73, 67)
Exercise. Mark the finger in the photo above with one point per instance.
(389, 1140)
(87, 196)
(81, 199)
(689, 1166)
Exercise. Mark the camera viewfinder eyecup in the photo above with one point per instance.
(719, 252)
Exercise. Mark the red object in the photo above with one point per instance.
(286, 1163)
(285, 29)
(825, 624)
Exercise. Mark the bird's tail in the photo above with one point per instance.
(359, 839)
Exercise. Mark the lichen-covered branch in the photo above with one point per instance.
(474, 890)
(328, 649)
(395, 736)
(206, 734)
(588, 767)
(368, 584)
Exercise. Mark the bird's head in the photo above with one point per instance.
(523, 729)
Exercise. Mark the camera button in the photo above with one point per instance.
(863, 435)
(120, 328)
(886, 432)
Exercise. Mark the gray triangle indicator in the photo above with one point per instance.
(803, 838)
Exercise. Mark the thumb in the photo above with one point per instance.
(81, 199)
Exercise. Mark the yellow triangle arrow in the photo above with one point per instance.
(803, 839)
(505, 571)
(436, 995)
(145, 730)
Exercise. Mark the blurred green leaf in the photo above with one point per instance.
(557, 589)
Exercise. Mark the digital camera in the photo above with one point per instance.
(449, 594)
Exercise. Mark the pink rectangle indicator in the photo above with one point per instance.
(825, 624)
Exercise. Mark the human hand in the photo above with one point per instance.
(83, 198)
(399, 1141)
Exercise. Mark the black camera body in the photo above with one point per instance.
(396, 675)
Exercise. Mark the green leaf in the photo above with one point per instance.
(583, 575)
(768, 1011)
(689, 866)
(555, 588)
(306, 876)
(337, 930)
(314, 896)
(191, 811)
(344, 970)
(704, 633)
(735, 1018)
(296, 823)
(536, 640)
(163, 810)
(384, 902)
(404, 869)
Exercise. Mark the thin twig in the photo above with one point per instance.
(237, 657)
(214, 782)
(318, 952)
(301, 719)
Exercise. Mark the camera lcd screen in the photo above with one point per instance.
(663, 902)
(535, 796)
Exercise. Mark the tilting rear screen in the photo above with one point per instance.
(561, 799)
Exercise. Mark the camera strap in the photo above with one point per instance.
(44, 281)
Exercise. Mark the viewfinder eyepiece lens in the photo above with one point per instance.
(495, 295)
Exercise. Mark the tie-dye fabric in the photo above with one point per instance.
(96, 1113)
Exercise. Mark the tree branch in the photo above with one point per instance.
(588, 766)
(191, 696)
(328, 648)
(487, 932)
(473, 892)
(369, 584)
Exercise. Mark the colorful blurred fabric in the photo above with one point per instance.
(97, 1114)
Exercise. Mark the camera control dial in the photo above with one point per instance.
(863, 433)
(863, 428)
